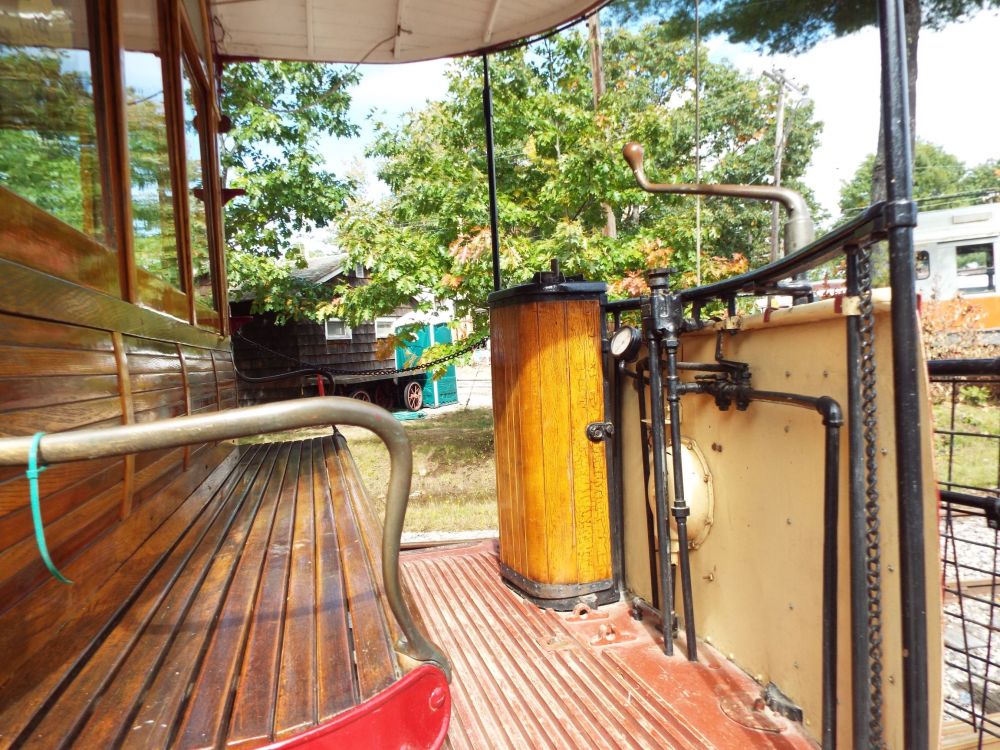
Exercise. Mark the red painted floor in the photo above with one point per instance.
(531, 678)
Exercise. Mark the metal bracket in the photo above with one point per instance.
(899, 214)
(780, 703)
(600, 431)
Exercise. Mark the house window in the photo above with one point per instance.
(975, 267)
(384, 327)
(359, 270)
(337, 330)
(923, 263)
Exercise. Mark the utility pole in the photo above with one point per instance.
(780, 137)
(597, 76)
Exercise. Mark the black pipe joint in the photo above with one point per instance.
(831, 412)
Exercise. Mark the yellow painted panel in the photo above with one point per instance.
(758, 576)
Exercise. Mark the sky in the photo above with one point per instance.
(958, 98)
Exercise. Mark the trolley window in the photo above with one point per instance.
(923, 263)
(49, 141)
(974, 264)
(152, 195)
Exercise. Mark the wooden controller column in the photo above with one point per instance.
(552, 490)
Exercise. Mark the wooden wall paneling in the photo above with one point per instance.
(218, 385)
(31, 237)
(187, 393)
(128, 417)
(29, 292)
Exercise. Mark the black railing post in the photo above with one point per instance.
(491, 171)
(900, 218)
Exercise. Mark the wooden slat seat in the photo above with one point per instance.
(250, 614)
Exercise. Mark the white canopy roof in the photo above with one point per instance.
(382, 31)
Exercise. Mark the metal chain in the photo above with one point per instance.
(479, 343)
(873, 564)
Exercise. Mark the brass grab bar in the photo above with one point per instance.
(79, 445)
(799, 230)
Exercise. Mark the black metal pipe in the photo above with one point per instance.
(618, 306)
(325, 374)
(680, 509)
(864, 228)
(640, 385)
(906, 375)
(944, 368)
(833, 420)
(989, 505)
(612, 457)
(657, 417)
(860, 665)
(491, 172)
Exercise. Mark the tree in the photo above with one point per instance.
(558, 161)
(793, 27)
(939, 179)
(279, 113)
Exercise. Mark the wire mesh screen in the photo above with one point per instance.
(967, 418)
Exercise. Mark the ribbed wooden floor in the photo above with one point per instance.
(243, 631)
(531, 678)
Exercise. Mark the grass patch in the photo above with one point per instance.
(976, 460)
(454, 487)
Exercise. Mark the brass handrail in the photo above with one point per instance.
(80, 445)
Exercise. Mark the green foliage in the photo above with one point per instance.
(935, 173)
(557, 161)
(280, 111)
(788, 27)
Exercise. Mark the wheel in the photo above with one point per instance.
(360, 394)
(413, 395)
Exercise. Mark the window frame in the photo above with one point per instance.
(391, 322)
(989, 270)
(347, 335)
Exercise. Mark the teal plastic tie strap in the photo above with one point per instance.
(36, 509)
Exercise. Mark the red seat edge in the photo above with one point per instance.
(414, 712)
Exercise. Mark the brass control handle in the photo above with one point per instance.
(799, 230)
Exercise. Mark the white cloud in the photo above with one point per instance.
(958, 107)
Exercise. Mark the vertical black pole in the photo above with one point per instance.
(491, 171)
(860, 670)
(832, 421)
(900, 219)
(657, 417)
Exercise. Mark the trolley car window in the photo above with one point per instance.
(149, 156)
(923, 264)
(48, 127)
(975, 269)
(194, 107)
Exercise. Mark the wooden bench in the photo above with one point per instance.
(222, 595)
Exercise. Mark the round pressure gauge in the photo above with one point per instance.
(625, 343)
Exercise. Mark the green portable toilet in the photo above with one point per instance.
(440, 391)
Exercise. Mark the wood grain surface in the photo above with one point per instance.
(551, 480)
